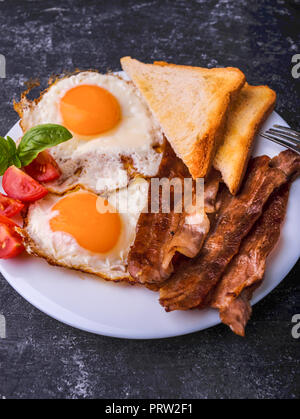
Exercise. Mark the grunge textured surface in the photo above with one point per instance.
(42, 358)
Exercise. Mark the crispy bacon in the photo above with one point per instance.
(211, 188)
(146, 259)
(160, 235)
(288, 162)
(193, 282)
(245, 272)
(193, 229)
(237, 315)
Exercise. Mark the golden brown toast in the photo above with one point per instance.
(247, 112)
(190, 104)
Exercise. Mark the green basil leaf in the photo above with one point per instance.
(8, 154)
(11, 145)
(4, 156)
(13, 152)
(40, 138)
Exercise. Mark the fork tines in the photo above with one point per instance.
(284, 136)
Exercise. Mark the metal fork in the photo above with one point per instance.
(284, 136)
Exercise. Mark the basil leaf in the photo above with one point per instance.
(8, 154)
(40, 138)
(13, 152)
(4, 156)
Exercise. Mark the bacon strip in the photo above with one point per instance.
(288, 162)
(155, 230)
(160, 235)
(237, 315)
(193, 229)
(193, 282)
(211, 188)
(245, 272)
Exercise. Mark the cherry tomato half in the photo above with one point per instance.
(10, 242)
(9, 206)
(44, 168)
(7, 221)
(19, 185)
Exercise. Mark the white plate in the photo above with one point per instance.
(125, 311)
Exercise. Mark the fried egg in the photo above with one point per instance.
(115, 137)
(84, 231)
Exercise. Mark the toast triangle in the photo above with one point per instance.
(246, 114)
(190, 104)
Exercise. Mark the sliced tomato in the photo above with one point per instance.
(19, 185)
(9, 206)
(44, 168)
(10, 242)
(7, 221)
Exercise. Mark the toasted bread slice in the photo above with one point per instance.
(190, 104)
(247, 112)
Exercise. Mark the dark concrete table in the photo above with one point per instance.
(43, 358)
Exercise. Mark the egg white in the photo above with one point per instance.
(84, 161)
(62, 249)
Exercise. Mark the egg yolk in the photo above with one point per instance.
(78, 216)
(89, 110)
